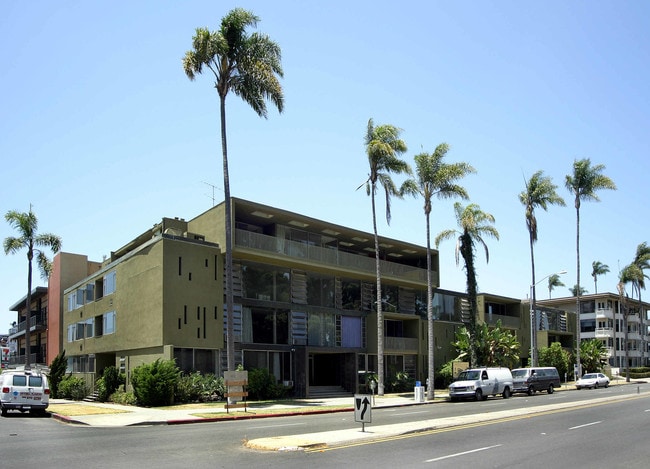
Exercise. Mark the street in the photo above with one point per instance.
(611, 434)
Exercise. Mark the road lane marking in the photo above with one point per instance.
(277, 426)
(586, 425)
(462, 454)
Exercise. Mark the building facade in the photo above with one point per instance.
(620, 323)
(36, 320)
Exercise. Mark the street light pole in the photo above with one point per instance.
(533, 319)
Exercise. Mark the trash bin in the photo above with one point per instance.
(419, 393)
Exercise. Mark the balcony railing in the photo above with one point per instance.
(605, 313)
(328, 256)
(633, 319)
(604, 332)
(400, 343)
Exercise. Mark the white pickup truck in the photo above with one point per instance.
(24, 390)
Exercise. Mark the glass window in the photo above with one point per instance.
(351, 294)
(109, 283)
(71, 301)
(71, 332)
(263, 282)
(20, 380)
(79, 331)
(80, 297)
(266, 325)
(109, 323)
(36, 381)
(320, 290)
(351, 331)
(321, 329)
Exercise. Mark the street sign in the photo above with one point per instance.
(362, 408)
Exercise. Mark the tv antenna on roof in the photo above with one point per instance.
(213, 188)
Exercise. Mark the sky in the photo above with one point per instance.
(103, 134)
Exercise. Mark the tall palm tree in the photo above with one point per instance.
(474, 226)
(584, 183)
(540, 192)
(554, 281)
(577, 290)
(633, 275)
(383, 147)
(642, 261)
(250, 67)
(598, 268)
(434, 177)
(28, 238)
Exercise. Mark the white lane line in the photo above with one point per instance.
(461, 454)
(413, 413)
(277, 426)
(586, 425)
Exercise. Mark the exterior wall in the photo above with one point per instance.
(67, 269)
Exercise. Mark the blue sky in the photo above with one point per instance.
(102, 132)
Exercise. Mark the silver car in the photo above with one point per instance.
(593, 381)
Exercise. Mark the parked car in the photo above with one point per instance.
(24, 390)
(479, 383)
(593, 381)
(531, 380)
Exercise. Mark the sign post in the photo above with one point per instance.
(362, 410)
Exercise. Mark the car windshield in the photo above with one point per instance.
(519, 373)
(469, 375)
(589, 376)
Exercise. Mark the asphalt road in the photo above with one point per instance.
(600, 435)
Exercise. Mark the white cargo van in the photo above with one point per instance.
(24, 390)
(479, 383)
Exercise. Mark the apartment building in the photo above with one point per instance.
(36, 320)
(616, 323)
(304, 294)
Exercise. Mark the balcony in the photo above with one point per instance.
(401, 344)
(605, 313)
(633, 319)
(37, 323)
(328, 256)
(604, 332)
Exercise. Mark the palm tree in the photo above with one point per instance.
(383, 147)
(474, 226)
(435, 178)
(598, 268)
(27, 226)
(554, 281)
(540, 192)
(577, 290)
(250, 67)
(584, 183)
(642, 261)
(630, 274)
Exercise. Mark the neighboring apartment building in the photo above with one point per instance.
(603, 316)
(36, 320)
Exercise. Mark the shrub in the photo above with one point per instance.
(154, 383)
(108, 383)
(57, 373)
(73, 387)
(262, 385)
(122, 397)
(444, 376)
(195, 387)
(401, 383)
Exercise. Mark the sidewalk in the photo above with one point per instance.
(120, 415)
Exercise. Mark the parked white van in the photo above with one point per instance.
(479, 383)
(24, 390)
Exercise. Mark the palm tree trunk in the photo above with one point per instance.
(431, 339)
(28, 309)
(230, 339)
(468, 256)
(380, 314)
(533, 310)
(578, 287)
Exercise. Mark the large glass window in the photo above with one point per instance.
(320, 290)
(321, 329)
(265, 325)
(278, 363)
(351, 331)
(263, 282)
(351, 294)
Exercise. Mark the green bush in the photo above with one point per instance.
(444, 376)
(262, 385)
(154, 383)
(57, 373)
(401, 382)
(108, 383)
(72, 387)
(195, 387)
(122, 397)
